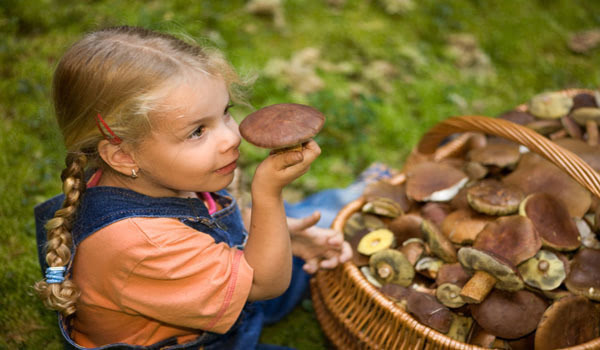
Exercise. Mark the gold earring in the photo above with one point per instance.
(134, 174)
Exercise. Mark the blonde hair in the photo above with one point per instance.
(121, 74)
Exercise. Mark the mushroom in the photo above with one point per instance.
(550, 105)
(396, 292)
(518, 117)
(429, 266)
(406, 226)
(427, 310)
(545, 270)
(395, 193)
(509, 315)
(413, 249)
(583, 99)
(463, 225)
(435, 211)
(359, 222)
(475, 170)
(498, 154)
(584, 275)
(535, 174)
(588, 238)
(375, 241)
(366, 271)
(498, 249)
(460, 327)
(382, 206)
(545, 126)
(429, 181)
(513, 238)
(569, 321)
(573, 129)
(490, 271)
(584, 114)
(493, 197)
(552, 221)
(391, 266)
(449, 280)
(282, 126)
(439, 245)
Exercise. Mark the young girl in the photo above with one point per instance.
(162, 257)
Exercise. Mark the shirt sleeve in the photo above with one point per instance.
(184, 278)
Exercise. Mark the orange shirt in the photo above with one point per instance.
(147, 279)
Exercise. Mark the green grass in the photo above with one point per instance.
(370, 118)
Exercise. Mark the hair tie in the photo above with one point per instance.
(111, 136)
(55, 274)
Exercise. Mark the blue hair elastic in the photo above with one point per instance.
(55, 274)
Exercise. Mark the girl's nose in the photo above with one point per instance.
(230, 136)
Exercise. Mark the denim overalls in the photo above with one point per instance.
(103, 205)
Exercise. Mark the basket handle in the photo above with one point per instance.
(564, 159)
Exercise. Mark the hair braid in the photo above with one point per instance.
(63, 296)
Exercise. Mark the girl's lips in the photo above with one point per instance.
(228, 168)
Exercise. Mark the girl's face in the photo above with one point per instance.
(193, 146)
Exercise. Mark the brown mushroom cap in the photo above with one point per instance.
(584, 100)
(584, 275)
(382, 188)
(430, 312)
(281, 125)
(569, 321)
(535, 174)
(427, 180)
(452, 273)
(509, 315)
(406, 226)
(493, 197)
(500, 154)
(435, 211)
(463, 225)
(518, 117)
(513, 238)
(396, 292)
(552, 221)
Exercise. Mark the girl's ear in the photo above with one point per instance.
(116, 157)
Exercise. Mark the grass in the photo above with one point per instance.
(385, 79)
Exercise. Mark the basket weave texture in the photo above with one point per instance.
(355, 315)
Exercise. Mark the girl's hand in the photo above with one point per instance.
(318, 247)
(280, 169)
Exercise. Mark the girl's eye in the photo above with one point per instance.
(198, 132)
(227, 108)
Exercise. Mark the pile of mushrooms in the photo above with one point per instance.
(493, 245)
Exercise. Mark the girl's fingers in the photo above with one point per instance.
(311, 266)
(346, 253)
(329, 263)
(336, 240)
(307, 221)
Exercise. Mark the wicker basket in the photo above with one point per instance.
(355, 315)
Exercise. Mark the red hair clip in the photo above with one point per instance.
(110, 137)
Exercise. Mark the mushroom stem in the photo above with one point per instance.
(543, 265)
(592, 132)
(478, 287)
